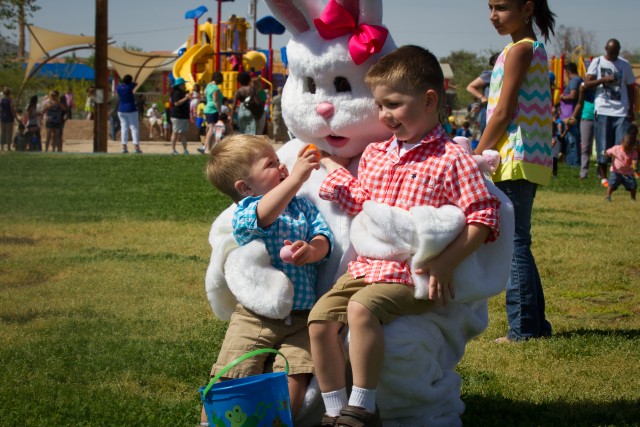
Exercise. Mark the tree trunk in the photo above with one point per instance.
(21, 30)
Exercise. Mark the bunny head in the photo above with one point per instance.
(325, 100)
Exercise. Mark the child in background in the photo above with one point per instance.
(464, 130)
(201, 124)
(166, 121)
(20, 142)
(625, 161)
(246, 168)
(220, 129)
(559, 132)
(408, 88)
(520, 84)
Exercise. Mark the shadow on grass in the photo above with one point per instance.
(496, 411)
(630, 334)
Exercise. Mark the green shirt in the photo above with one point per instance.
(209, 92)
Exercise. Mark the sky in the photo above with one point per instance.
(441, 26)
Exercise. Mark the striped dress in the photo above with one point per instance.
(525, 147)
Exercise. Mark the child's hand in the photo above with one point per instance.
(307, 161)
(332, 163)
(441, 287)
(297, 253)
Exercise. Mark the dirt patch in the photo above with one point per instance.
(17, 240)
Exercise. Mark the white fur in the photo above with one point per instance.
(418, 384)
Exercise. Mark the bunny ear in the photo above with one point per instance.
(296, 15)
(365, 11)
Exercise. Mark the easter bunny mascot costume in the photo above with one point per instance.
(326, 102)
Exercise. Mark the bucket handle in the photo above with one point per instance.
(240, 360)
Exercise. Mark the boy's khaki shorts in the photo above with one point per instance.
(248, 331)
(386, 300)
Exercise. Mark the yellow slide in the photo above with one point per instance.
(200, 55)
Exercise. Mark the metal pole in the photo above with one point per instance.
(254, 13)
(101, 77)
(218, 66)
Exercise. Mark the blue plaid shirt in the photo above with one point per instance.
(301, 220)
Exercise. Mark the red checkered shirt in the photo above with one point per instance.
(435, 172)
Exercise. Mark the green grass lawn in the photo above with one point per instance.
(104, 320)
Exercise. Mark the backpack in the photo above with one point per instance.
(254, 104)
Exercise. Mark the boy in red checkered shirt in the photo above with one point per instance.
(418, 166)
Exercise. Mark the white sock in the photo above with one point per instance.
(363, 398)
(334, 401)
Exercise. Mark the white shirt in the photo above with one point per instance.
(612, 98)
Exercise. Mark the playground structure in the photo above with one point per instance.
(198, 60)
(556, 65)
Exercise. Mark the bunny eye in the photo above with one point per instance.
(311, 85)
(342, 84)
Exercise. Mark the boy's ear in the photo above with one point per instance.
(243, 188)
(431, 100)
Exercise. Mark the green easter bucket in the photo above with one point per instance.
(259, 400)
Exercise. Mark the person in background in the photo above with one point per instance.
(201, 125)
(128, 114)
(568, 104)
(166, 121)
(155, 121)
(585, 110)
(479, 88)
(625, 161)
(519, 127)
(559, 133)
(71, 106)
(141, 106)
(90, 103)
(213, 97)
(241, 116)
(32, 119)
(263, 97)
(612, 78)
(53, 112)
(179, 115)
(65, 117)
(20, 142)
(114, 120)
(221, 128)
(8, 118)
(196, 96)
(464, 130)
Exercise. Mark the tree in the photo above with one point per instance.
(571, 40)
(466, 67)
(14, 14)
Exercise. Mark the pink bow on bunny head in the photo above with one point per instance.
(365, 40)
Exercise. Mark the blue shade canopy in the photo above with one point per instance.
(195, 13)
(269, 25)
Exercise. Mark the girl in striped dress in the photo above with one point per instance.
(519, 127)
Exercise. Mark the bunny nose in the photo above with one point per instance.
(325, 109)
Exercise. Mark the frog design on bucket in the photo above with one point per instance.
(238, 418)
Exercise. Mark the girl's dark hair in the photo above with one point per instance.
(244, 78)
(544, 18)
(217, 77)
(127, 79)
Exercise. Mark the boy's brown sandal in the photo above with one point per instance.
(328, 421)
(354, 416)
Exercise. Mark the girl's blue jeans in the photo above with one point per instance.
(525, 297)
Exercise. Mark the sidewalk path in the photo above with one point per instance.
(147, 147)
